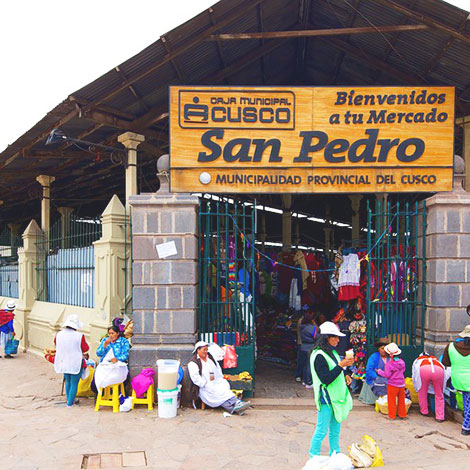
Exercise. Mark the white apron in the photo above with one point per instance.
(212, 392)
(68, 355)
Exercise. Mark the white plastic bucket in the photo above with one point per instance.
(167, 373)
(167, 403)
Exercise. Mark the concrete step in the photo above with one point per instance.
(295, 404)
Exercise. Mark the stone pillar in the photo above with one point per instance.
(14, 232)
(356, 223)
(131, 141)
(286, 220)
(45, 181)
(65, 213)
(164, 288)
(110, 260)
(465, 123)
(448, 264)
(28, 260)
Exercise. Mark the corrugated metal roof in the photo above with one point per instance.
(328, 61)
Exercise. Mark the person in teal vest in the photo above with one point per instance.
(332, 397)
(457, 356)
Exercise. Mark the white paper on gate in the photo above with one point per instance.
(164, 250)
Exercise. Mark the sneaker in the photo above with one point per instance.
(241, 407)
(298, 379)
(309, 386)
(466, 432)
(440, 420)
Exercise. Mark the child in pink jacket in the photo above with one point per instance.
(395, 373)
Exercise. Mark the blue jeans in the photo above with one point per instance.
(303, 366)
(71, 385)
(466, 411)
(325, 421)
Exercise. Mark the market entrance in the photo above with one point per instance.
(262, 267)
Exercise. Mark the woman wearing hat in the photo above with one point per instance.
(6, 325)
(69, 360)
(208, 382)
(457, 356)
(332, 398)
(374, 382)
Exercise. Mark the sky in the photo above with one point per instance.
(51, 48)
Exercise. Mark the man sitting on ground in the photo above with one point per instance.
(208, 382)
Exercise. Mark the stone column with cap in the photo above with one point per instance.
(448, 263)
(45, 181)
(131, 141)
(164, 230)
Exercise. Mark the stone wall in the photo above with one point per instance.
(164, 290)
(448, 267)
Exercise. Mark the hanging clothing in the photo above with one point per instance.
(299, 259)
(349, 278)
(294, 295)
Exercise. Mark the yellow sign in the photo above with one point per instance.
(307, 140)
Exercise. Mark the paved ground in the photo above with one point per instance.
(36, 434)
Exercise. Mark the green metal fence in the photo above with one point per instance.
(66, 263)
(9, 245)
(226, 310)
(396, 274)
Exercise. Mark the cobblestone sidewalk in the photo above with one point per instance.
(35, 433)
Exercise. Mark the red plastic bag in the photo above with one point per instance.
(230, 357)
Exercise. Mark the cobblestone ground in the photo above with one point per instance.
(37, 434)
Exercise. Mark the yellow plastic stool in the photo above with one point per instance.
(109, 396)
(147, 400)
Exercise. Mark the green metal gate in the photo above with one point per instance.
(226, 309)
(397, 275)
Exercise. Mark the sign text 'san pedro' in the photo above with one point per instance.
(305, 140)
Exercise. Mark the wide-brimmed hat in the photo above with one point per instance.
(199, 344)
(73, 322)
(11, 305)
(329, 328)
(465, 333)
(392, 349)
(381, 342)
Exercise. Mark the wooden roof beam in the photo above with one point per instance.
(160, 112)
(317, 32)
(238, 11)
(420, 18)
(373, 62)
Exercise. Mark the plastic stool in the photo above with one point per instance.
(147, 400)
(109, 396)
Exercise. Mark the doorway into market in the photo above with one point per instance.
(266, 261)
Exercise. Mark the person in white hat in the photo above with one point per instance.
(6, 325)
(332, 397)
(69, 359)
(208, 382)
(457, 355)
(394, 371)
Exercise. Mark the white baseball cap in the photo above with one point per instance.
(329, 328)
(199, 344)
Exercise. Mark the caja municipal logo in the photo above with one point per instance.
(236, 109)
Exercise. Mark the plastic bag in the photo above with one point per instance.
(366, 454)
(216, 351)
(334, 462)
(230, 357)
(108, 373)
(84, 385)
(126, 405)
(413, 393)
(318, 462)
